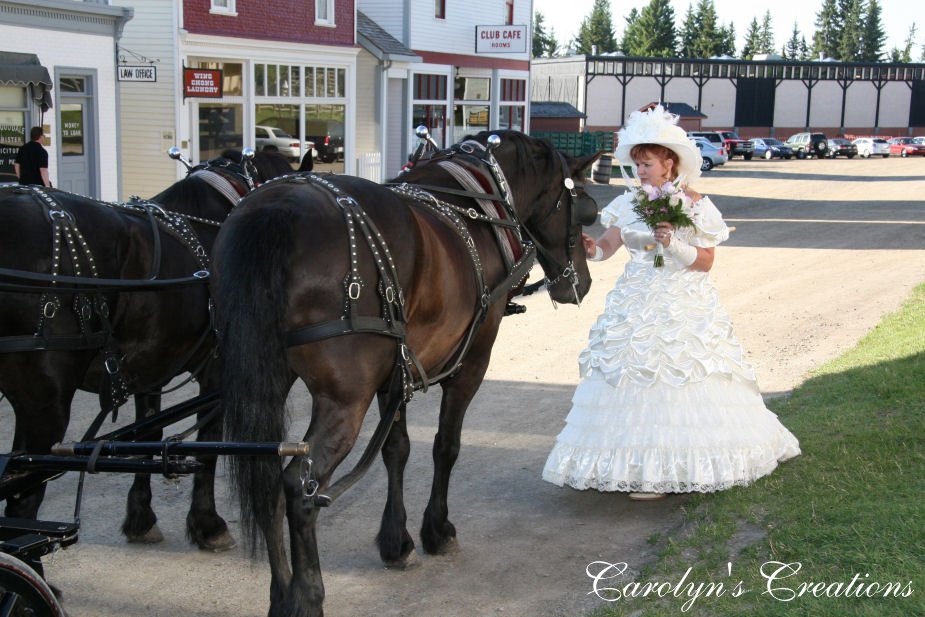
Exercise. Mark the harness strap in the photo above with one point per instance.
(466, 178)
(221, 184)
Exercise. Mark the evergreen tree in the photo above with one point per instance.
(825, 40)
(873, 35)
(906, 54)
(804, 49)
(688, 33)
(596, 30)
(752, 40)
(632, 34)
(727, 40)
(708, 41)
(849, 39)
(791, 50)
(654, 32)
(541, 38)
(767, 35)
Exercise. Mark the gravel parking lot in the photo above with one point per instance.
(822, 249)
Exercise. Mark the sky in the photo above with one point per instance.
(565, 17)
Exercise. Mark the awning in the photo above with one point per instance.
(24, 70)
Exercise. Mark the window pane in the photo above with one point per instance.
(331, 83)
(434, 118)
(472, 88)
(72, 129)
(12, 96)
(296, 87)
(73, 84)
(309, 81)
(272, 82)
(285, 81)
(512, 117)
(469, 119)
(341, 82)
(12, 136)
(260, 80)
(220, 127)
(281, 120)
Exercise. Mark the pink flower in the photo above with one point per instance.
(651, 191)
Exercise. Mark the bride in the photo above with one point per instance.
(667, 402)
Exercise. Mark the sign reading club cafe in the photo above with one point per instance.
(500, 39)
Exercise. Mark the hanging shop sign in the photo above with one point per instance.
(137, 73)
(202, 83)
(500, 39)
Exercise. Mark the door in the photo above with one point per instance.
(77, 169)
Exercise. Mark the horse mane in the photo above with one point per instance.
(269, 164)
(522, 144)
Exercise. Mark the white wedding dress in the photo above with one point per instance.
(667, 402)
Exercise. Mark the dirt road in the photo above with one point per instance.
(822, 250)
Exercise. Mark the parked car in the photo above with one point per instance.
(286, 144)
(872, 146)
(768, 147)
(839, 146)
(729, 140)
(905, 146)
(328, 137)
(713, 155)
(808, 144)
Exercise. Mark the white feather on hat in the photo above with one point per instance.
(657, 126)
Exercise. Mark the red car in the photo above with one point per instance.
(904, 146)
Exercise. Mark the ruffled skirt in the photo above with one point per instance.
(667, 402)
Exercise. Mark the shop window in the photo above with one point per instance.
(440, 9)
(12, 128)
(223, 7)
(430, 105)
(324, 12)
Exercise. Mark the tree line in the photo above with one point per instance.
(846, 30)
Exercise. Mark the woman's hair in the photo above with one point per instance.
(640, 150)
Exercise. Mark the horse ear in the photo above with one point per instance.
(580, 164)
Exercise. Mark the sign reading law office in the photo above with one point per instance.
(500, 39)
(202, 83)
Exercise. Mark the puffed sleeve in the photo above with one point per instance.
(619, 212)
(709, 227)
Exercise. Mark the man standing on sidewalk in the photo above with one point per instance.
(31, 164)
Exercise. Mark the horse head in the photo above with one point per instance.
(550, 201)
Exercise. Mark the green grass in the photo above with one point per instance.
(852, 504)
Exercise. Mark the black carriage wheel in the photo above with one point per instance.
(23, 593)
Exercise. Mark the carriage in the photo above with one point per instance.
(400, 283)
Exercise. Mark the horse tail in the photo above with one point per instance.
(252, 259)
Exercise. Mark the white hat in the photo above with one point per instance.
(657, 126)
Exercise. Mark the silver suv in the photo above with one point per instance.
(808, 144)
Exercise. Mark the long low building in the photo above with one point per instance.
(756, 98)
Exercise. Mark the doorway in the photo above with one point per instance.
(77, 135)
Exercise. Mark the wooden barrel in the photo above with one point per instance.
(601, 169)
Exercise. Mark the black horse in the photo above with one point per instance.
(58, 337)
(364, 290)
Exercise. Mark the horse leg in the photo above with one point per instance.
(42, 411)
(331, 435)
(204, 526)
(140, 524)
(395, 544)
(438, 534)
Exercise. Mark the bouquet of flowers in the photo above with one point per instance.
(654, 204)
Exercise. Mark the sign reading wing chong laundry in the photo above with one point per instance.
(202, 83)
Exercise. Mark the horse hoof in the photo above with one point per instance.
(449, 547)
(152, 536)
(219, 544)
(406, 562)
